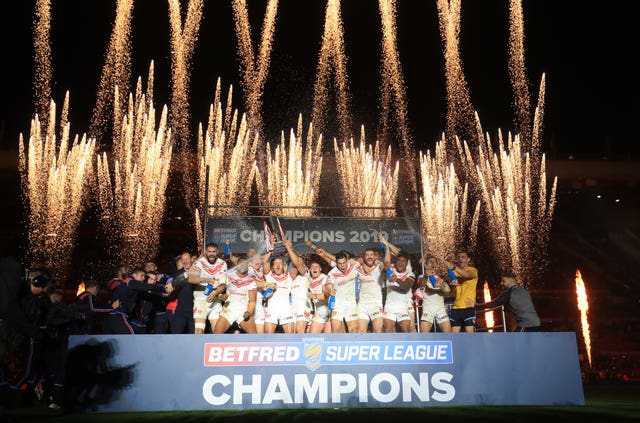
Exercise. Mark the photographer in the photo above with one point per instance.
(23, 310)
(60, 321)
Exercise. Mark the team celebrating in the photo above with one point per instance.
(376, 291)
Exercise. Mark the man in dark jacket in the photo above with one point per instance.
(24, 311)
(518, 302)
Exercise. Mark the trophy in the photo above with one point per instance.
(275, 246)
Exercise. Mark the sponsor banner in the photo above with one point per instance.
(203, 372)
(331, 233)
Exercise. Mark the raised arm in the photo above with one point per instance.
(328, 257)
(266, 263)
(465, 273)
(229, 253)
(388, 246)
(295, 258)
(387, 253)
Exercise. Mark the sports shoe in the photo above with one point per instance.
(54, 406)
(38, 391)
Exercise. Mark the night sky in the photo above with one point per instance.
(584, 47)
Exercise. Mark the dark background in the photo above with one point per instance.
(585, 48)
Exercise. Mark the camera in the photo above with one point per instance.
(39, 277)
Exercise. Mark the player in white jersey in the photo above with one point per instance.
(241, 301)
(255, 270)
(399, 283)
(301, 303)
(321, 321)
(278, 310)
(341, 283)
(393, 250)
(370, 307)
(433, 308)
(208, 269)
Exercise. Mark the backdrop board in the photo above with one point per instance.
(331, 233)
(207, 372)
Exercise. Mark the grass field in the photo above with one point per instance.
(604, 403)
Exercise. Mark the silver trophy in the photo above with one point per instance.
(274, 237)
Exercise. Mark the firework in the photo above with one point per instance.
(227, 149)
(131, 189)
(53, 178)
(367, 177)
(292, 177)
(332, 58)
(254, 72)
(42, 56)
(447, 221)
(116, 71)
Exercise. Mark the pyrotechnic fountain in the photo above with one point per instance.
(461, 120)
(510, 179)
(42, 58)
(116, 72)
(131, 191)
(227, 149)
(183, 39)
(54, 176)
(332, 59)
(518, 221)
(448, 223)
(292, 176)
(368, 178)
(394, 120)
(254, 70)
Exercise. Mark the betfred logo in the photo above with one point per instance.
(246, 354)
(314, 352)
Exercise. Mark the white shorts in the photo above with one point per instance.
(233, 313)
(305, 316)
(278, 314)
(396, 312)
(302, 311)
(321, 314)
(202, 309)
(345, 310)
(370, 310)
(431, 312)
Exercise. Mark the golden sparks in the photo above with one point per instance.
(518, 221)
(368, 179)
(54, 179)
(393, 91)
(332, 60)
(183, 40)
(517, 72)
(254, 72)
(42, 58)
(292, 176)
(116, 71)
(131, 192)
(393, 95)
(447, 220)
(460, 111)
(227, 149)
